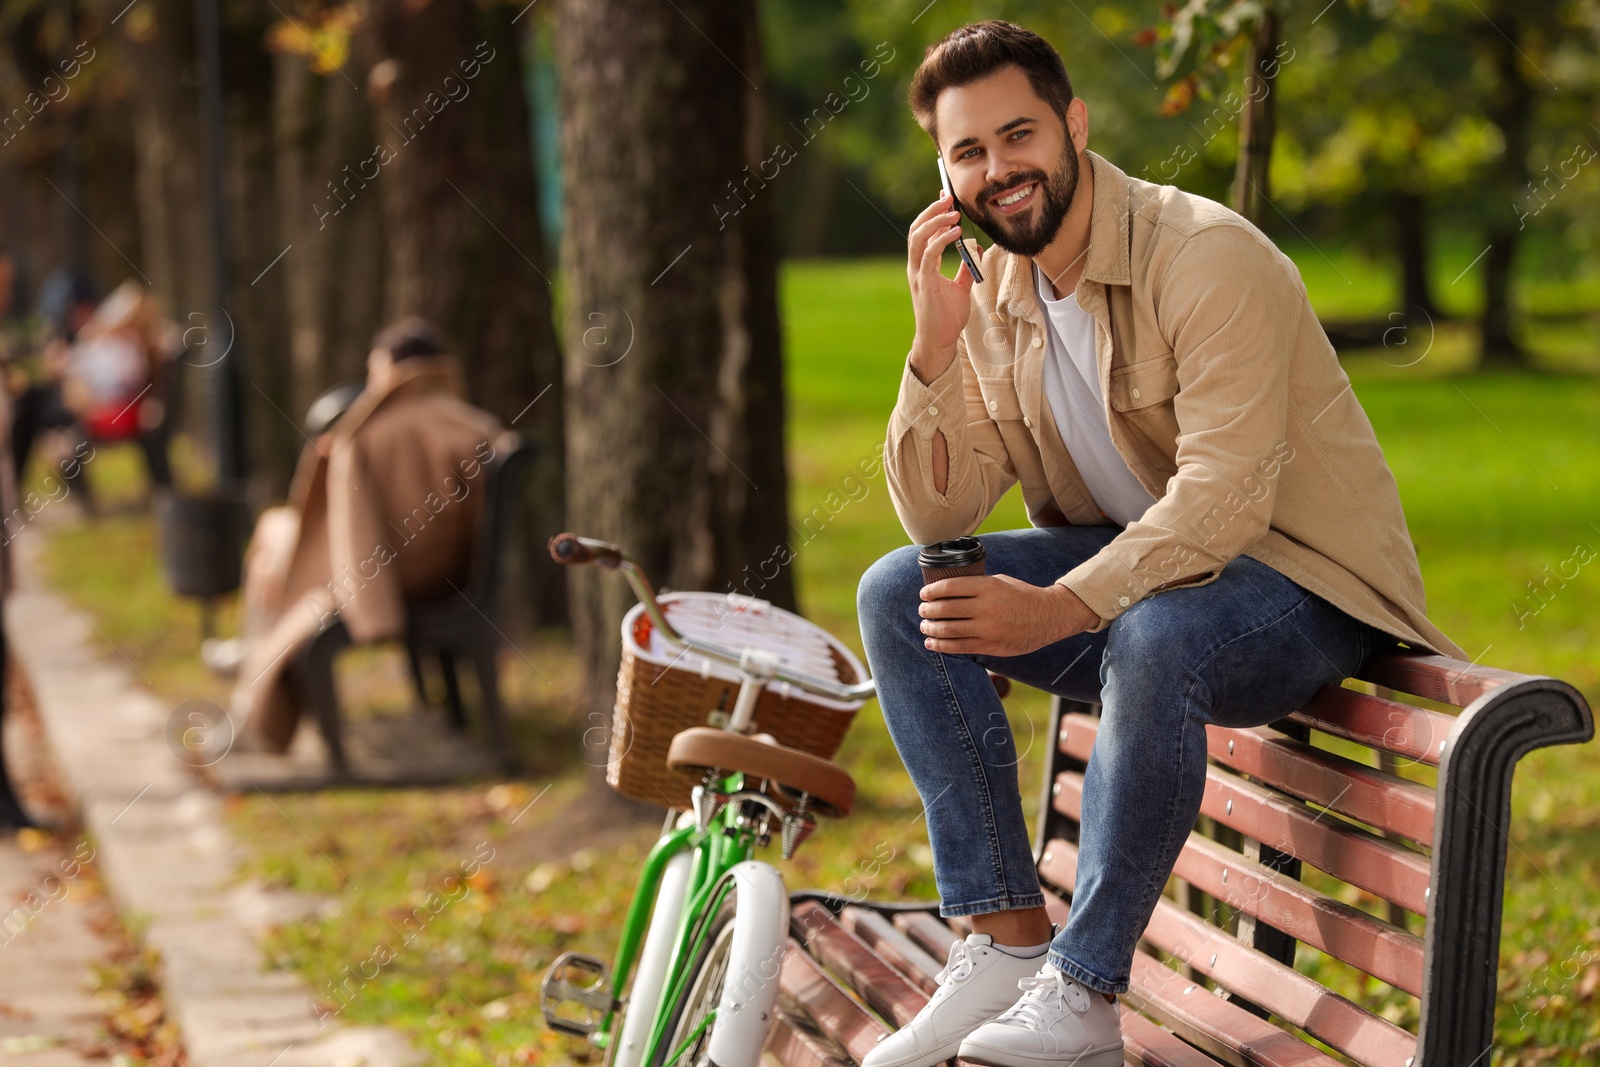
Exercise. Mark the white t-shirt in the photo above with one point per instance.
(1072, 387)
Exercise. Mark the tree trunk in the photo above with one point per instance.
(465, 249)
(1411, 242)
(333, 275)
(169, 186)
(258, 301)
(811, 218)
(72, 119)
(1511, 109)
(1258, 122)
(674, 374)
(44, 150)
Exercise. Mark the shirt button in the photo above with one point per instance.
(933, 411)
(1026, 421)
(1122, 600)
(1038, 342)
(1136, 394)
(994, 405)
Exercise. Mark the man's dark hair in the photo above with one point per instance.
(411, 336)
(978, 50)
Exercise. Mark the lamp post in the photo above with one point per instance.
(225, 388)
(202, 537)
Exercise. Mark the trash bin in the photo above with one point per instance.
(202, 546)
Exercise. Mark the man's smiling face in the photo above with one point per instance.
(1011, 162)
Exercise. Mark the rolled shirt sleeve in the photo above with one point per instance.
(979, 471)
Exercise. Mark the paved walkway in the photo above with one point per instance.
(51, 920)
(48, 946)
(166, 857)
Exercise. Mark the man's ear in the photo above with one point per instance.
(1078, 123)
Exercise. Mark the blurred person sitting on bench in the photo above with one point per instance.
(381, 513)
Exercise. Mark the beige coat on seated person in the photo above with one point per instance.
(388, 511)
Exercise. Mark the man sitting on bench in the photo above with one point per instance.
(382, 513)
(1216, 534)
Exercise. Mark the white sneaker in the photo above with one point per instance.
(222, 655)
(1057, 1022)
(978, 983)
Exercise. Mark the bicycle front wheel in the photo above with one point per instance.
(724, 1008)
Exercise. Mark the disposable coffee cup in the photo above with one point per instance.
(958, 558)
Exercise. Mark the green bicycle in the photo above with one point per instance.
(706, 933)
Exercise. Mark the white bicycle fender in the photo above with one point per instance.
(651, 974)
(750, 992)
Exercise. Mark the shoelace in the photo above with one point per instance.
(958, 967)
(1038, 993)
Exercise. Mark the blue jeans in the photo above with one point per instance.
(1244, 650)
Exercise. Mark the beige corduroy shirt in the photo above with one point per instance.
(1223, 396)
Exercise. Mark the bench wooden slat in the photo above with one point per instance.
(1449, 681)
(928, 932)
(1224, 1030)
(914, 963)
(843, 953)
(793, 1046)
(1351, 855)
(1341, 930)
(835, 1014)
(889, 993)
(1348, 933)
(1282, 990)
(1385, 801)
(1387, 725)
(1156, 1046)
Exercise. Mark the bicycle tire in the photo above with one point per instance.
(734, 968)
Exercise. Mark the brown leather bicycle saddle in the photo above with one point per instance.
(699, 748)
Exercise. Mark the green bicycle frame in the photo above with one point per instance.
(716, 851)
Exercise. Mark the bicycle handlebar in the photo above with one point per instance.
(568, 549)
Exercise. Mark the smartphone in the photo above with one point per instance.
(961, 246)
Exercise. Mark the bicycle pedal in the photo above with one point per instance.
(575, 978)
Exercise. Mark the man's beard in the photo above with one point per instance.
(1055, 194)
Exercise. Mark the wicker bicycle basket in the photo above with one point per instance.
(662, 690)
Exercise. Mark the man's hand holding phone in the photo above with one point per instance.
(941, 305)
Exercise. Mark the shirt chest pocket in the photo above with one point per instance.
(1141, 400)
(1000, 401)
(1143, 385)
(1015, 433)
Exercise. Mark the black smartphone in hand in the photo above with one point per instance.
(961, 246)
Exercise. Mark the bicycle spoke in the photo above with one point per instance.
(693, 1040)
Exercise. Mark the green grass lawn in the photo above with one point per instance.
(1500, 481)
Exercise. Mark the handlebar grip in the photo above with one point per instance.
(567, 548)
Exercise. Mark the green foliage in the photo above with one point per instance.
(1198, 43)
(1374, 98)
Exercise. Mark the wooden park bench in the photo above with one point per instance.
(1343, 787)
(459, 626)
